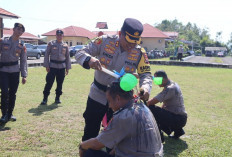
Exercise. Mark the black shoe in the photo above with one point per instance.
(57, 101)
(4, 119)
(177, 134)
(13, 118)
(44, 102)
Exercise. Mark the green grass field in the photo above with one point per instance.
(56, 130)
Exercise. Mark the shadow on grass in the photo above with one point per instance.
(3, 128)
(173, 147)
(43, 108)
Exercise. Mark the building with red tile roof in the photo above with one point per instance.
(4, 14)
(72, 35)
(172, 35)
(153, 38)
(26, 37)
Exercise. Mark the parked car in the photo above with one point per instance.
(221, 54)
(32, 51)
(208, 54)
(190, 53)
(73, 49)
(42, 48)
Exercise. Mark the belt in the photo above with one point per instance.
(100, 86)
(2, 64)
(57, 62)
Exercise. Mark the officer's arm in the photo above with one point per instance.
(84, 56)
(145, 78)
(152, 101)
(92, 143)
(23, 62)
(67, 60)
(46, 57)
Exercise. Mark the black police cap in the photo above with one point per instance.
(59, 32)
(133, 30)
(20, 26)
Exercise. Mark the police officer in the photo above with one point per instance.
(171, 117)
(114, 53)
(131, 132)
(180, 53)
(57, 63)
(11, 50)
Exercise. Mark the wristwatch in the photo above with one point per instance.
(86, 62)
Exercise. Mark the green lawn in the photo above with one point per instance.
(56, 130)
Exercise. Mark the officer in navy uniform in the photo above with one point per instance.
(57, 63)
(11, 50)
(113, 53)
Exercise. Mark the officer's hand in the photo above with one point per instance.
(48, 69)
(112, 152)
(94, 63)
(66, 73)
(143, 94)
(81, 152)
(24, 80)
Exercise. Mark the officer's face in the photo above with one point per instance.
(18, 31)
(125, 44)
(59, 37)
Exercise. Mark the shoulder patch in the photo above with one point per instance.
(98, 40)
(143, 50)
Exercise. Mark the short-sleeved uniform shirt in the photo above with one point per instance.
(133, 132)
(57, 52)
(107, 50)
(11, 51)
(172, 98)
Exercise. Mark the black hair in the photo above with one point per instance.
(161, 73)
(114, 89)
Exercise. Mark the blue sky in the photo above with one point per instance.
(41, 16)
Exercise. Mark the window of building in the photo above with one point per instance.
(70, 43)
(79, 43)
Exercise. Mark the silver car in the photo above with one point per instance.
(32, 51)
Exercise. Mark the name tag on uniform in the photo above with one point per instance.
(6, 46)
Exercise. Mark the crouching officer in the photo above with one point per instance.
(11, 50)
(57, 63)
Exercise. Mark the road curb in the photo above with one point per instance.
(178, 63)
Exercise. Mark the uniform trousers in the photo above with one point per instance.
(59, 74)
(93, 116)
(96, 153)
(179, 56)
(168, 121)
(9, 87)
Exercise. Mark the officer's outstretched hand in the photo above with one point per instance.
(94, 63)
(143, 94)
(24, 80)
(47, 69)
